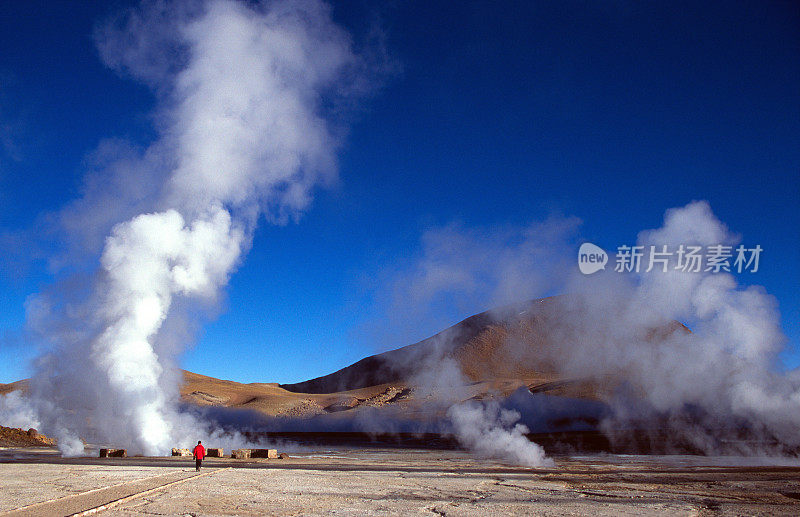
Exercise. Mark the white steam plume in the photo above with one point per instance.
(705, 389)
(241, 132)
(724, 370)
(462, 270)
(493, 432)
(15, 411)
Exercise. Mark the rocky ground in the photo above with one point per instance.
(14, 437)
(397, 482)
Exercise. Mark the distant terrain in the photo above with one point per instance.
(491, 354)
(13, 437)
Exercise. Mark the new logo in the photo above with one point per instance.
(591, 258)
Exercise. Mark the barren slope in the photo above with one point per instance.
(496, 352)
(494, 346)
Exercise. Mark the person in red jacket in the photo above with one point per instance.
(199, 453)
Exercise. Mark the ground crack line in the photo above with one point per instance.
(125, 499)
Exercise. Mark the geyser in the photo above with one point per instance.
(242, 132)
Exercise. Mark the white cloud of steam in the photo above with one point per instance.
(147, 261)
(725, 367)
(249, 106)
(244, 85)
(464, 270)
(15, 411)
(493, 432)
(702, 387)
(121, 182)
(495, 266)
(242, 131)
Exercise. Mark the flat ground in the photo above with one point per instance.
(396, 482)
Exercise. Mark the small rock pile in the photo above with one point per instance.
(15, 437)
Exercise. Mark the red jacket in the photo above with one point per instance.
(199, 452)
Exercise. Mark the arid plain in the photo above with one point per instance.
(359, 481)
(338, 467)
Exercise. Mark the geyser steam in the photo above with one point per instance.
(715, 389)
(705, 387)
(241, 132)
(493, 432)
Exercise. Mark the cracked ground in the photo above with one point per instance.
(414, 482)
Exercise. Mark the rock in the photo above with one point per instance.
(389, 395)
(206, 399)
(302, 409)
(240, 454)
(215, 453)
(113, 453)
(264, 453)
(283, 456)
(16, 437)
(342, 405)
(255, 453)
(182, 452)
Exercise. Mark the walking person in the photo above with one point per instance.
(199, 453)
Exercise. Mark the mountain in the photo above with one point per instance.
(14, 386)
(511, 343)
(492, 353)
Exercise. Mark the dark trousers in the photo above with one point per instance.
(198, 463)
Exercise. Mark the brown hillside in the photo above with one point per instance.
(14, 437)
(496, 351)
(14, 386)
(508, 343)
(519, 342)
(477, 345)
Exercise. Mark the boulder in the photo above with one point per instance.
(283, 456)
(215, 453)
(182, 452)
(264, 453)
(255, 453)
(240, 454)
(113, 453)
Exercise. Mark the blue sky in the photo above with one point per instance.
(609, 111)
